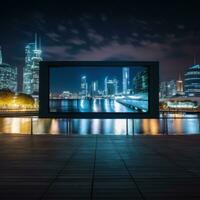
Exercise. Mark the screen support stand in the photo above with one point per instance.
(69, 126)
(31, 126)
(165, 124)
(126, 126)
(133, 126)
(199, 122)
(66, 126)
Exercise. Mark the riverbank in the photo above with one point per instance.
(99, 167)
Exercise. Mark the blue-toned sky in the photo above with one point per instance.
(164, 31)
(69, 78)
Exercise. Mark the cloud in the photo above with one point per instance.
(75, 31)
(62, 28)
(104, 17)
(56, 52)
(115, 49)
(134, 34)
(180, 26)
(94, 36)
(76, 41)
(53, 36)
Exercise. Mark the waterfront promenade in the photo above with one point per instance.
(99, 167)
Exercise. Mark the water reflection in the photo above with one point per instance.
(14, 125)
(94, 105)
(150, 126)
(176, 124)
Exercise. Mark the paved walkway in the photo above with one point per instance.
(99, 167)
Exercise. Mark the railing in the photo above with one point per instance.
(174, 124)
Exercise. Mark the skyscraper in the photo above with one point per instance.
(171, 88)
(94, 88)
(179, 86)
(31, 69)
(8, 75)
(105, 85)
(140, 82)
(125, 81)
(0, 56)
(168, 89)
(111, 86)
(163, 89)
(84, 86)
(192, 81)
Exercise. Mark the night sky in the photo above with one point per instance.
(69, 78)
(164, 31)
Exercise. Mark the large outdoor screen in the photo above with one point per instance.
(98, 89)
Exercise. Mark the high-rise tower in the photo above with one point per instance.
(125, 81)
(31, 69)
(8, 75)
(84, 86)
(0, 56)
(179, 86)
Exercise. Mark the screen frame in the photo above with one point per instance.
(153, 90)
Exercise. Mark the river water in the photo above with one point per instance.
(176, 124)
(93, 105)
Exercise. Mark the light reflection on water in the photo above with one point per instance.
(187, 125)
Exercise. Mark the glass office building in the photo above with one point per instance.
(31, 69)
(8, 76)
(140, 82)
(192, 81)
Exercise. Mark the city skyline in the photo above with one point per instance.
(106, 89)
(104, 31)
(69, 79)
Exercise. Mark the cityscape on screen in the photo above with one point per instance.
(99, 89)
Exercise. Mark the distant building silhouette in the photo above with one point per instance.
(31, 69)
(8, 75)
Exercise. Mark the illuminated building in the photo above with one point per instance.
(105, 85)
(182, 104)
(125, 81)
(192, 81)
(168, 89)
(1, 60)
(8, 75)
(94, 88)
(163, 89)
(179, 86)
(171, 88)
(31, 69)
(111, 86)
(84, 86)
(140, 82)
(65, 95)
